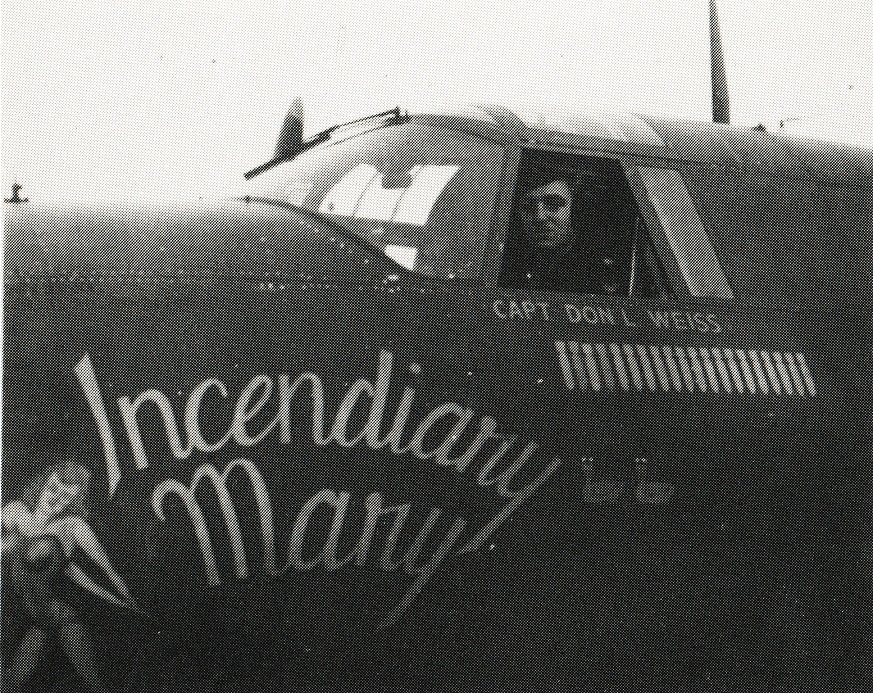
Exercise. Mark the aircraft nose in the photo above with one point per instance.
(229, 239)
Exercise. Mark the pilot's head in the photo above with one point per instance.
(546, 213)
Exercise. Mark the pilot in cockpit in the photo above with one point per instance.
(546, 249)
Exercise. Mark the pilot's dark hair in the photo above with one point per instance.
(531, 178)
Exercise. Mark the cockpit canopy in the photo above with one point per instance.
(658, 208)
(422, 193)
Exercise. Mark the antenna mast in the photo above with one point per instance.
(721, 108)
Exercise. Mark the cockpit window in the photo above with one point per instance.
(576, 228)
(422, 194)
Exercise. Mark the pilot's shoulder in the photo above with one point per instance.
(608, 275)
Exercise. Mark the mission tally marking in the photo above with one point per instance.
(617, 367)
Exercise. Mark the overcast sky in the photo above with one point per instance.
(174, 99)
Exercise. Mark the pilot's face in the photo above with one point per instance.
(546, 215)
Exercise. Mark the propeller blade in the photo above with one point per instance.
(291, 135)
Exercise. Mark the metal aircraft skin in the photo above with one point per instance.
(330, 447)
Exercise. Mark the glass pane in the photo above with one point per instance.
(420, 193)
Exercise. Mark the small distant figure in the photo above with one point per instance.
(15, 199)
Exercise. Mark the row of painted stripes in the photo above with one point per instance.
(667, 368)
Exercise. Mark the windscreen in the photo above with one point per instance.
(421, 193)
